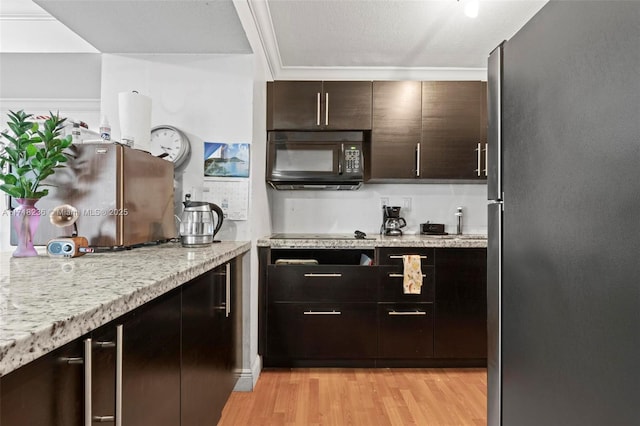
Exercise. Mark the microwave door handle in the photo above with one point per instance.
(341, 159)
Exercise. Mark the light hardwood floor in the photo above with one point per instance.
(367, 397)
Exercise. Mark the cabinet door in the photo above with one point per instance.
(321, 283)
(451, 112)
(207, 347)
(316, 105)
(406, 330)
(150, 377)
(294, 105)
(484, 128)
(461, 303)
(151, 364)
(396, 129)
(321, 331)
(47, 391)
(346, 105)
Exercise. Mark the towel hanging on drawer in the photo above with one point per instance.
(412, 281)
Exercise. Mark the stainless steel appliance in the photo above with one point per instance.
(315, 160)
(391, 221)
(124, 197)
(563, 294)
(197, 224)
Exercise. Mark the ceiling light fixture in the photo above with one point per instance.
(471, 7)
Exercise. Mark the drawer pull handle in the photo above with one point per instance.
(402, 276)
(399, 256)
(322, 313)
(322, 275)
(407, 313)
(104, 419)
(73, 360)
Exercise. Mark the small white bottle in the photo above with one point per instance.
(105, 129)
(76, 135)
(459, 220)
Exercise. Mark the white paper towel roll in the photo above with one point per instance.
(135, 120)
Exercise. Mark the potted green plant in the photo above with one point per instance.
(33, 154)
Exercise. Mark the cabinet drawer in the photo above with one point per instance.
(406, 330)
(321, 330)
(393, 255)
(392, 290)
(319, 283)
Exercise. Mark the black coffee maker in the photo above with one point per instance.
(391, 221)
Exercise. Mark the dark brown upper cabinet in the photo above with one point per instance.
(318, 105)
(396, 130)
(453, 143)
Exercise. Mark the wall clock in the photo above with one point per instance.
(171, 141)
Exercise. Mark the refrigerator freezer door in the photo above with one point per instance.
(494, 137)
(494, 314)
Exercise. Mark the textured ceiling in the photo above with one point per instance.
(297, 36)
(393, 33)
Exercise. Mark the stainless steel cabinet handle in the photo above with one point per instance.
(104, 419)
(326, 109)
(322, 313)
(401, 275)
(102, 345)
(119, 351)
(412, 313)
(486, 156)
(399, 256)
(228, 289)
(341, 158)
(479, 152)
(318, 109)
(73, 360)
(418, 159)
(323, 275)
(88, 418)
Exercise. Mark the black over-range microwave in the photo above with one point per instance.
(315, 160)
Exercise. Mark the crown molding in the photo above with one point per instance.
(44, 105)
(26, 17)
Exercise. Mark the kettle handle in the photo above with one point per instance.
(220, 215)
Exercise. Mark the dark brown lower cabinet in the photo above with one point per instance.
(406, 330)
(336, 313)
(312, 331)
(179, 357)
(460, 329)
(210, 345)
(49, 392)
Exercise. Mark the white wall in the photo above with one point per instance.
(346, 211)
(209, 97)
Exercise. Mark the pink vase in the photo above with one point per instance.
(26, 223)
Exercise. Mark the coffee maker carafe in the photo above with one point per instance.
(391, 221)
(197, 225)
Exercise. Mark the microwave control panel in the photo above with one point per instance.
(352, 160)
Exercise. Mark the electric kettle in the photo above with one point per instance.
(197, 225)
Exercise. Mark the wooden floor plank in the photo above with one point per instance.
(361, 397)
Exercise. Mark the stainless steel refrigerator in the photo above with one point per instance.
(564, 218)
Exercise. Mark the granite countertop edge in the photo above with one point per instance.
(19, 347)
(448, 241)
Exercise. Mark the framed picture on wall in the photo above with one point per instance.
(226, 159)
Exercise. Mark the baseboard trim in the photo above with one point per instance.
(249, 376)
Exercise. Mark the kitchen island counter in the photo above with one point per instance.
(47, 302)
(374, 241)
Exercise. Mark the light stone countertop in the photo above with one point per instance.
(47, 302)
(374, 241)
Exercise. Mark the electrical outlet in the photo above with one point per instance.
(406, 203)
(384, 201)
